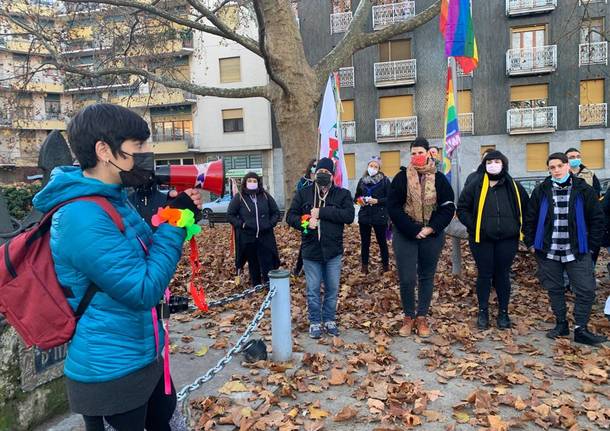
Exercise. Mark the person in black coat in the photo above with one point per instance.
(564, 223)
(305, 181)
(320, 212)
(254, 213)
(492, 207)
(372, 194)
(421, 206)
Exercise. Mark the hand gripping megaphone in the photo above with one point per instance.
(207, 176)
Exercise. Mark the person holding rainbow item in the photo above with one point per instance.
(115, 370)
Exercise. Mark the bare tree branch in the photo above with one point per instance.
(261, 40)
(356, 39)
(244, 41)
(58, 61)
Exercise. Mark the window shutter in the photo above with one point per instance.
(591, 91)
(230, 69)
(395, 107)
(350, 163)
(520, 93)
(348, 110)
(232, 114)
(536, 156)
(390, 161)
(592, 153)
(464, 101)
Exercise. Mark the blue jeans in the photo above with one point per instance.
(322, 309)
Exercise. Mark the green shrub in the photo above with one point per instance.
(19, 197)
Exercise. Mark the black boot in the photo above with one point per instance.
(483, 319)
(583, 336)
(561, 329)
(503, 320)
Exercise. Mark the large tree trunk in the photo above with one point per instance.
(295, 104)
(297, 127)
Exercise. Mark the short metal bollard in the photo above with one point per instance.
(281, 318)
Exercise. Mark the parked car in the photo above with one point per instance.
(219, 205)
(529, 183)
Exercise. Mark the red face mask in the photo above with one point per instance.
(419, 160)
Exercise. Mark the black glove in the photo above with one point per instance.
(184, 202)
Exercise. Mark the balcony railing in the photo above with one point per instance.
(339, 22)
(346, 77)
(588, 2)
(593, 115)
(524, 61)
(172, 137)
(395, 129)
(593, 53)
(348, 131)
(387, 14)
(523, 7)
(466, 123)
(531, 120)
(391, 73)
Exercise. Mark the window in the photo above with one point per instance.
(395, 50)
(350, 163)
(168, 162)
(591, 91)
(172, 130)
(592, 153)
(464, 101)
(390, 160)
(233, 120)
(592, 30)
(486, 148)
(395, 106)
(52, 106)
(25, 106)
(529, 96)
(536, 155)
(528, 37)
(348, 110)
(230, 70)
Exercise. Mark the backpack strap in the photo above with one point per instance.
(118, 221)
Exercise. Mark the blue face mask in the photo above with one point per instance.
(574, 163)
(561, 180)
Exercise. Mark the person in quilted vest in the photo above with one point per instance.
(114, 367)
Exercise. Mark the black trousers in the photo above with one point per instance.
(152, 416)
(494, 260)
(259, 264)
(365, 244)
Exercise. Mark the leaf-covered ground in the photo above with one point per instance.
(370, 378)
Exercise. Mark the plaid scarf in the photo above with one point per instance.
(560, 239)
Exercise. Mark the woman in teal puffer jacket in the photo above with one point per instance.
(114, 367)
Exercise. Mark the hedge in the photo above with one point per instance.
(19, 197)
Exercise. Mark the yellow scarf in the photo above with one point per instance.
(484, 190)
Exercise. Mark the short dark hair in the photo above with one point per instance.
(557, 156)
(435, 147)
(112, 124)
(420, 142)
(571, 150)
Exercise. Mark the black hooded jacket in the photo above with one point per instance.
(500, 218)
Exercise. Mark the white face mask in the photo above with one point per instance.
(493, 168)
(372, 171)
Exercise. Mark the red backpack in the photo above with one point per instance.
(31, 298)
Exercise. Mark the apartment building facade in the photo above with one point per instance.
(541, 85)
(237, 130)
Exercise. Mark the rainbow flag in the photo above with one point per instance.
(458, 30)
(452, 130)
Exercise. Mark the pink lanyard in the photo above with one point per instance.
(165, 323)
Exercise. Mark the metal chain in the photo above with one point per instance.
(235, 297)
(186, 391)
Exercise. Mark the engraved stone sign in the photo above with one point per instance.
(40, 366)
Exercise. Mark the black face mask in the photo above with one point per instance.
(323, 179)
(143, 171)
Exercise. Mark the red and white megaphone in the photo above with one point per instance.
(207, 176)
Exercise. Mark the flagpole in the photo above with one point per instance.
(456, 254)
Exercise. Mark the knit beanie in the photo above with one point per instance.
(326, 163)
